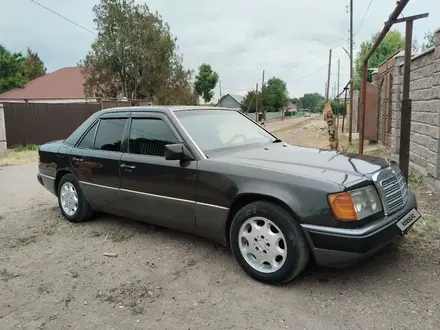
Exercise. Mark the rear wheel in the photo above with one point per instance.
(72, 203)
(268, 243)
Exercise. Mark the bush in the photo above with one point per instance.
(336, 108)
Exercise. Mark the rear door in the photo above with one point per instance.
(154, 189)
(95, 161)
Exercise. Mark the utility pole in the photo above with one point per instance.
(327, 90)
(339, 71)
(405, 116)
(262, 88)
(256, 102)
(350, 117)
(221, 101)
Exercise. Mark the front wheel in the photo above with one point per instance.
(268, 243)
(71, 200)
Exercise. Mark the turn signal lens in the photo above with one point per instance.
(342, 206)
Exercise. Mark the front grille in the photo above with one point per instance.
(392, 188)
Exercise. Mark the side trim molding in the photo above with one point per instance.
(156, 196)
(212, 205)
(47, 176)
(98, 185)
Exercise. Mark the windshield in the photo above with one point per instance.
(219, 129)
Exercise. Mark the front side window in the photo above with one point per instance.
(220, 129)
(148, 136)
(110, 134)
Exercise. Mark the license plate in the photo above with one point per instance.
(408, 220)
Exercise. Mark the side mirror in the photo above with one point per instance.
(177, 151)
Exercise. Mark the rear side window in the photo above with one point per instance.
(110, 134)
(148, 136)
(87, 141)
(73, 138)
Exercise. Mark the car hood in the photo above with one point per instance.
(327, 165)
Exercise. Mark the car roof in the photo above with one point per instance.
(171, 108)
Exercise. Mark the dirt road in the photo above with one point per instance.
(54, 276)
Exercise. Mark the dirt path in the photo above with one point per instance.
(281, 125)
(53, 275)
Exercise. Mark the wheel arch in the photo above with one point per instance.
(246, 198)
(60, 173)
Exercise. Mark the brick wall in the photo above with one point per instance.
(425, 118)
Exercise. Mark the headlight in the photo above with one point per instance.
(366, 201)
(356, 204)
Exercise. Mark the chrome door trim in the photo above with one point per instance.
(46, 176)
(156, 196)
(98, 185)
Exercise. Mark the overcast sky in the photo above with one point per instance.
(290, 39)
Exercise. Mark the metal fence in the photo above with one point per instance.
(37, 123)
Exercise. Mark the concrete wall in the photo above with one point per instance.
(269, 115)
(425, 119)
(355, 116)
(3, 146)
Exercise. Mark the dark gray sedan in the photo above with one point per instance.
(216, 173)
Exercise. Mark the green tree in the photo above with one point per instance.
(249, 103)
(205, 82)
(294, 100)
(393, 42)
(11, 70)
(311, 101)
(338, 107)
(135, 55)
(428, 42)
(33, 65)
(275, 95)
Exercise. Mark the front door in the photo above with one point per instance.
(96, 161)
(154, 189)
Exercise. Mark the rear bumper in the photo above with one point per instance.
(47, 182)
(343, 247)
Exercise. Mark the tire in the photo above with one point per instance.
(83, 210)
(295, 252)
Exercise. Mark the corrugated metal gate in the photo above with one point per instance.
(385, 81)
(37, 123)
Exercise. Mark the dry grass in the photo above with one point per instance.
(20, 155)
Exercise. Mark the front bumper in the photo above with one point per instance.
(342, 247)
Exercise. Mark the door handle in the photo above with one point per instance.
(126, 166)
(75, 159)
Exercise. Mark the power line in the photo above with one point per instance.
(312, 73)
(63, 17)
(363, 18)
(250, 51)
(255, 50)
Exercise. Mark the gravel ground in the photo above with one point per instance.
(53, 275)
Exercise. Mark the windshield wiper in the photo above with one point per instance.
(277, 141)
